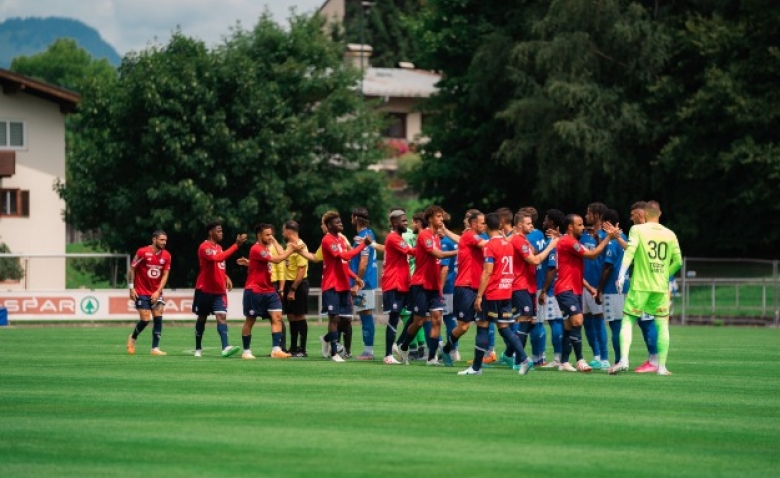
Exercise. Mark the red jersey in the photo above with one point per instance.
(470, 260)
(259, 276)
(571, 265)
(499, 252)
(212, 278)
(335, 265)
(525, 273)
(149, 267)
(395, 273)
(427, 268)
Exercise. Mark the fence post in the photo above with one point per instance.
(774, 292)
(684, 288)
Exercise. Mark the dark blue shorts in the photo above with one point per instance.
(569, 303)
(523, 303)
(424, 301)
(261, 304)
(497, 310)
(204, 304)
(463, 303)
(337, 303)
(394, 301)
(144, 302)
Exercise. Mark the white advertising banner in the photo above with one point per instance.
(111, 304)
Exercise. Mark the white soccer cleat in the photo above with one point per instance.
(553, 364)
(455, 355)
(524, 367)
(390, 360)
(663, 371)
(325, 347)
(198, 353)
(470, 371)
(566, 367)
(336, 358)
(247, 355)
(582, 366)
(404, 356)
(433, 363)
(617, 368)
(397, 352)
(605, 365)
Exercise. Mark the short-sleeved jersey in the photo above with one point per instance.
(614, 257)
(277, 270)
(293, 263)
(258, 279)
(470, 259)
(370, 278)
(550, 262)
(593, 267)
(571, 265)
(395, 271)
(500, 253)
(525, 273)
(149, 267)
(334, 262)
(411, 239)
(656, 255)
(427, 267)
(448, 244)
(212, 278)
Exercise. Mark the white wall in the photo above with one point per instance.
(37, 168)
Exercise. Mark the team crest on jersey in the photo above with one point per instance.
(577, 247)
(264, 253)
(525, 249)
(428, 243)
(162, 261)
(404, 245)
(209, 252)
(573, 308)
(334, 247)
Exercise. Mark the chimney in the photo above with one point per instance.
(356, 53)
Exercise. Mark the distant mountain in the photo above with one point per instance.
(27, 36)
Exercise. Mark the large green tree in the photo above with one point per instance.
(264, 128)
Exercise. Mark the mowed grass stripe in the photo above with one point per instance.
(75, 404)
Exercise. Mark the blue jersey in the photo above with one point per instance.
(370, 277)
(448, 244)
(549, 262)
(614, 256)
(593, 267)
(539, 242)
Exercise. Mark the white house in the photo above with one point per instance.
(32, 159)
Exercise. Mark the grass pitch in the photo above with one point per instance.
(73, 403)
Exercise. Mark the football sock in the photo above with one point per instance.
(556, 335)
(345, 324)
(626, 332)
(566, 346)
(283, 340)
(601, 335)
(525, 330)
(222, 329)
(575, 336)
(276, 339)
(303, 330)
(139, 327)
(199, 328)
(433, 347)
(156, 331)
(246, 341)
(390, 332)
(333, 338)
(367, 323)
(480, 346)
(513, 342)
(614, 327)
(491, 337)
(404, 331)
(663, 341)
(538, 340)
(650, 334)
(449, 324)
(294, 335)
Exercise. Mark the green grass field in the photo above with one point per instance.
(73, 403)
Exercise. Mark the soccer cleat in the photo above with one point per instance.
(433, 362)
(490, 358)
(617, 368)
(646, 367)
(508, 361)
(280, 354)
(336, 358)
(347, 355)
(566, 367)
(397, 352)
(404, 356)
(605, 365)
(553, 364)
(582, 366)
(230, 350)
(525, 367)
(366, 356)
(325, 347)
(390, 360)
(158, 353)
(470, 371)
(247, 355)
(198, 353)
(300, 354)
(447, 358)
(541, 364)
(595, 364)
(455, 354)
(131, 345)
(664, 371)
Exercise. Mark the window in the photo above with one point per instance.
(14, 203)
(396, 126)
(12, 134)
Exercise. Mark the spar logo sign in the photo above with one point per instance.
(89, 305)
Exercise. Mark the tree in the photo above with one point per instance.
(264, 128)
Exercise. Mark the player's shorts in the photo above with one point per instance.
(463, 303)
(424, 301)
(589, 305)
(144, 302)
(570, 303)
(523, 303)
(365, 300)
(550, 309)
(448, 302)
(613, 306)
(394, 301)
(497, 311)
(204, 304)
(639, 303)
(300, 305)
(337, 303)
(261, 304)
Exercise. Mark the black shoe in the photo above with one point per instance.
(300, 354)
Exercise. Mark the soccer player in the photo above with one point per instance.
(569, 285)
(296, 291)
(656, 255)
(336, 297)
(593, 311)
(425, 290)
(364, 266)
(211, 287)
(607, 292)
(545, 277)
(417, 345)
(538, 334)
(278, 278)
(147, 277)
(449, 270)
(260, 297)
(496, 288)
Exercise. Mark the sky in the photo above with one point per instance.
(131, 24)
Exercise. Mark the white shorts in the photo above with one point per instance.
(448, 304)
(364, 300)
(589, 305)
(548, 311)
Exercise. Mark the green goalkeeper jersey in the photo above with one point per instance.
(656, 255)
